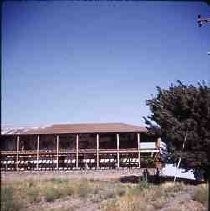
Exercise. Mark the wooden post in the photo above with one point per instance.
(97, 150)
(139, 153)
(17, 155)
(158, 143)
(118, 153)
(57, 152)
(37, 155)
(77, 151)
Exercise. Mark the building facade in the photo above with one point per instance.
(78, 146)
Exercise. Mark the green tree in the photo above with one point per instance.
(181, 114)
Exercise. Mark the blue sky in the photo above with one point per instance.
(75, 62)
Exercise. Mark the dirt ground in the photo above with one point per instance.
(103, 175)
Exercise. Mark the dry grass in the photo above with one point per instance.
(8, 202)
(19, 195)
(144, 197)
(108, 196)
(201, 194)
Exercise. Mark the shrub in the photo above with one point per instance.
(108, 194)
(58, 180)
(52, 194)
(201, 194)
(83, 189)
(143, 184)
(67, 191)
(7, 201)
(120, 191)
(33, 195)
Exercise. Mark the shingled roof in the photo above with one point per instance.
(81, 128)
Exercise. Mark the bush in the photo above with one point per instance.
(120, 191)
(83, 191)
(52, 194)
(58, 180)
(33, 195)
(108, 194)
(201, 194)
(7, 201)
(143, 184)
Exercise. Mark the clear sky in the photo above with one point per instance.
(76, 62)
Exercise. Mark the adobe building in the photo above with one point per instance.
(78, 146)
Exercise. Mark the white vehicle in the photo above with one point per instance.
(172, 170)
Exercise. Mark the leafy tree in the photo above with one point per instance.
(181, 115)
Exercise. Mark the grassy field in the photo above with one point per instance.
(83, 194)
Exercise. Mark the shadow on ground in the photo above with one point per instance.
(158, 180)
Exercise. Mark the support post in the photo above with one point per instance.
(17, 155)
(118, 152)
(77, 151)
(57, 152)
(37, 155)
(139, 152)
(97, 151)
